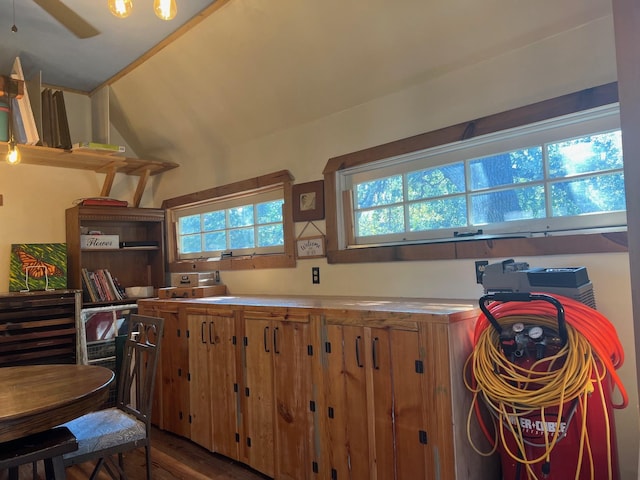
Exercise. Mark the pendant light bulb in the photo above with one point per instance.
(165, 9)
(13, 154)
(120, 8)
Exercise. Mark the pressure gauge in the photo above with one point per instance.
(518, 327)
(535, 333)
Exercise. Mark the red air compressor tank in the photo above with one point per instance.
(548, 391)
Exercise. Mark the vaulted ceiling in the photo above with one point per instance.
(253, 67)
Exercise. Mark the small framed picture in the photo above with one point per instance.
(308, 201)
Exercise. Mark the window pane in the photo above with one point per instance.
(190, 224)
(602, 193)
(435, 182)
(270, 212)
(215, 241)
(507, 205)
(443, 213)
(241, 238)
(213, 221)
(384, 191)
(594, 153)
(380, 221)
(519, 166)
(270, 235)
(241, 216)
(190, 244)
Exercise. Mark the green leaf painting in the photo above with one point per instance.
(38, 266)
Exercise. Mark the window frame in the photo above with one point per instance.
(255, 185)
(588, 242)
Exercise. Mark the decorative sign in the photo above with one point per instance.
(310, 247)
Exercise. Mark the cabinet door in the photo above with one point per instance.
(410, 429)
(175, 367)
(199, 387)
(258, 395)
(223, 384)
(346, 417)
(380, 396)
(292, 381)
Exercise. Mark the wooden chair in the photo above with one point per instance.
(111, 432)
(48, 446)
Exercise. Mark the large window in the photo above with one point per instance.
(553, 176)
(496, 186)
(237, 226)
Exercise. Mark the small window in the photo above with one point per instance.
(233, 224)
(255, 226)
(555, 176)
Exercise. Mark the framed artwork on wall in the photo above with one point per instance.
(308, 201)
(38, 266)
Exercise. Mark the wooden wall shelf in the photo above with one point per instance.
(108, 164)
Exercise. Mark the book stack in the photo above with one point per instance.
(55, 125)
(101, 286)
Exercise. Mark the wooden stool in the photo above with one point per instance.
(48, 446)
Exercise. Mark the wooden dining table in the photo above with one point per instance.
(35, 398)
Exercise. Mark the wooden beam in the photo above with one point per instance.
(108, 181)
(142, 183)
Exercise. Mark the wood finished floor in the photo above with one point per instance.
(172, 458)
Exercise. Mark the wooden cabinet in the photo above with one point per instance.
(213, 384)
(277, 388)
(326, 388)
(39, 327)
(139, 265)
(171, 402)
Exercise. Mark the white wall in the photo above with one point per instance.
(35, 197)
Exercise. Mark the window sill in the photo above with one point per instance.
(486, 248)
(234, 263)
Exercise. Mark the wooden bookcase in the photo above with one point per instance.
(135, 266)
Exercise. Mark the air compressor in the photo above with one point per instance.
(542, 372)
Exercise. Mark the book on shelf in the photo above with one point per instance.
(63, 122)
(99, 147)
(23, 114)
(47, 125)
(103, 202)
(101, 286)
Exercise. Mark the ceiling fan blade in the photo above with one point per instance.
(68, 18)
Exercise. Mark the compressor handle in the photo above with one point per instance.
(524, 297)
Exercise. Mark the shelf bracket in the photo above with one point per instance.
(108, 181)
(142, 183)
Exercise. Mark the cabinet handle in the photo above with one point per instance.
(212, 339)
(202, 333)
(358, 361)
(275, 340)
(375, 353)
(266, 339)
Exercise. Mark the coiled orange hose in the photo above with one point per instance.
(595, 327)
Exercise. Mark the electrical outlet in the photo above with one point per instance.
(480, 264)
(315, 275)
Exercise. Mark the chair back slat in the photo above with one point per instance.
(139, 365)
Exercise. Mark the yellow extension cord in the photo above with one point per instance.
(556, 380)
